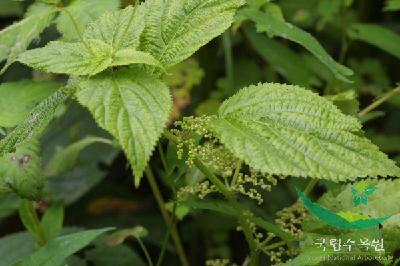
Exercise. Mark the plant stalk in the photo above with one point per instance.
(167, 219)
(379, 101)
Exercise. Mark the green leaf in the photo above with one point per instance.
(34, 124)
(287, 130)
(176, 29)
(60, 248)
(52, 221)
(9, 203)
(87, 58)
(66, 158)
(392, 5)
(119, 29)
(133, 106)
(283, 59)
(275, 27)
(376, 35)
(15, 246)
(18, 98)
(16, 38)
(20, 172)
(83, 12)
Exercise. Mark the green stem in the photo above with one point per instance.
(275, 245)
(78, 31)
(226, 39)
(236, 173)
(380, 101)
(228, 195)
(310, 186)
(168, 221)
(165, 242)
(146, 253)
(31, 222)
(162, 156)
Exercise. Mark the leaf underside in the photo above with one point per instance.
(287, 130)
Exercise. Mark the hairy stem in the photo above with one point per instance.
(167, 219)
(380, 101)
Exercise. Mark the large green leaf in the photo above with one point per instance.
(34, 123)
(16, 38)
(175, 29)
(276, 27)
(378, 36)
(120, 255)
(20, 172)
(133, 106)
(287, 130)
(82, 59)
(57, 250)
(17, 99)
(83, 12)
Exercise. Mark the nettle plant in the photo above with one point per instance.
(115, 60)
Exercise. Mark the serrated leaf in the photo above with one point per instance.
(275, 27)
(376, 35)
(80, 59)
(16, 38)
(83, 12)
(20, 172)
(287, 130)
(175, 29)
(58, 249)
(120, 29)
(18, 98)
(34, 123)
(66, 158)
(133, 106)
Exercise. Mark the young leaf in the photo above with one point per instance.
(83, 12)
(20, 172)
(119, 29)
(16, 38)
(287, 130)
(60, 248)
(52, 221)
(378, 36)
(34, 124)
(18, 98)
(82, 59)
(276, 27)
(133, 106)
(176, 29)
